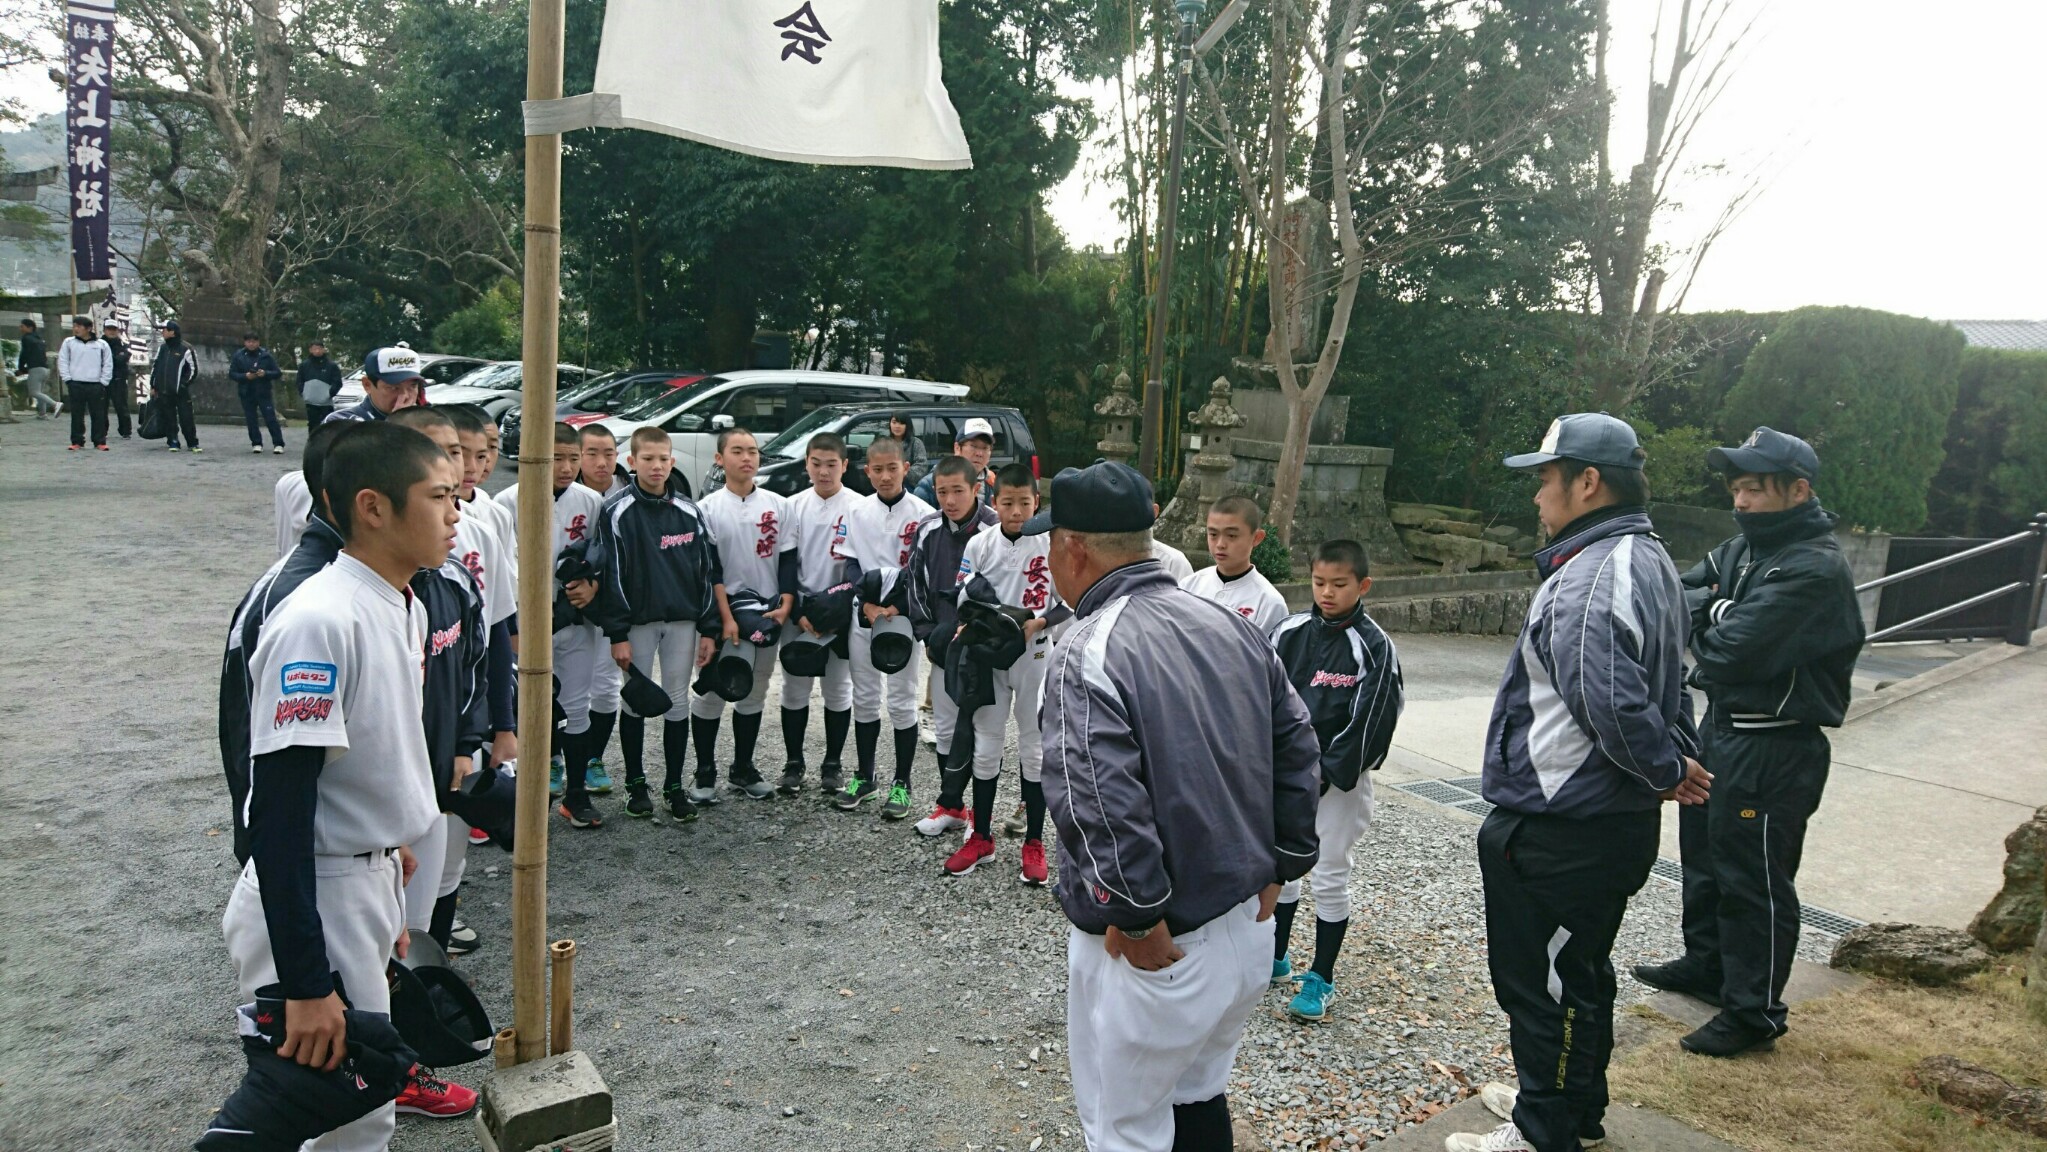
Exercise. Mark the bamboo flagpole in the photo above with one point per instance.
(536, 535)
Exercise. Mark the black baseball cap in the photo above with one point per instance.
(1103, 497)
(1766, 452)
(1587, 437)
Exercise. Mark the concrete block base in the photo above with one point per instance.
(554, 1103)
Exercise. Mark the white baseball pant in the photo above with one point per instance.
(609, 678)
(1341, 820)
(362, 912)
(837, 681)
(902, 685)
(1017, 688)
(710, 705)
(431, 850)
(675, 644)
(580, 650)
(945, 712)
(1141, 1042)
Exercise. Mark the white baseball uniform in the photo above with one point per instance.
(1172, 560)
(294, 503)
(752, 532)
(1019, 573)
(881, 536)
(822, 533)
(340, 668)
(580, 650)
(1249, 595)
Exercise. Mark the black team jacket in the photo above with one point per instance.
(659, 561)
(1347, 673)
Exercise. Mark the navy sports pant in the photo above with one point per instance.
(255, 397)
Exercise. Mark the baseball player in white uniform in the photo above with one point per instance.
(1171, 559)
(880, 534)
(1009, 568)
(292, 501)
(339, 777)
(818, 522)
(757, 554)
(1235, 527)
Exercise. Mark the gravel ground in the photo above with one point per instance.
(777, 975)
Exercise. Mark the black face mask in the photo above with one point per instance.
(1766, 530)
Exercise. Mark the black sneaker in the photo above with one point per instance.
(1684, 976)
(679, 805)
(462, 939)
(831, 779)
(1723, 1038)
(705, 793)
(637, 802)
(579, 813)
(747, 779)
(856, 792)
(897, 805)
(792, 778)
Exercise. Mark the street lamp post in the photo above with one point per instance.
(1169, 217)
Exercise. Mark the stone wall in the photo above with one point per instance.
(1343, 494)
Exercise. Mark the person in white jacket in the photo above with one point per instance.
(86, 366)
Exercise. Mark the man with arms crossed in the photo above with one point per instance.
(1182, 771)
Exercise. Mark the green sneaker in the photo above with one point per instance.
(596, 779)
(557, 774)
(857, 791)
(637, 802)
(679, 805)
(1283, 970)
(897, 805)
(1311, 1003)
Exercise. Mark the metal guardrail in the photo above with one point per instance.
(2014, 626)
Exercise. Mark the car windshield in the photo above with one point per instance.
(637, 393)
(789, 445)
(491, 376)
(662, 401)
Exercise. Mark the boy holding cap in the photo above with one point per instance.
(881, 533)
(390, 381)
(1775, 630)
(1591, 730)
(825, 568)
(933, 600)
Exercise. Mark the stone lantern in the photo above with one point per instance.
(1120, 408)
(1212, 465)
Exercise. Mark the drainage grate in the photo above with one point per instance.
(1475, 807)
(1437, 792)
(1470, 784)
(1818, 919)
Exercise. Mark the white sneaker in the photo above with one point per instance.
(1505, 1138)
(278, 450)
(256, 448)
(941, 821)
(1499, 1099)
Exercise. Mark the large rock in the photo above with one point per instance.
(1454, 553)
(2012, 919)
(1410, 515)
(1914, 952)
(1502, 533)
(1966, 1085)
(1454, 528)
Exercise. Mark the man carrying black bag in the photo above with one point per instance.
(1775, 630)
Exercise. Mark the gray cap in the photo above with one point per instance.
(1589, 438)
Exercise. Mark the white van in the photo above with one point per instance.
(764, 401)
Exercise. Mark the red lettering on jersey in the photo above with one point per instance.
(474, 562)
(445, 639)
(1333, 680)
(579, 527)
(769, 530)
(678, 539)
(1037, 584)
(1246, 611)
(908, 536)
(296, 708)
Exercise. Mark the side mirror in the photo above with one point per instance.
(722, 421)
(687, 422)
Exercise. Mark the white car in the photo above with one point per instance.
(437, 368)
(764, 401)
(496, 387)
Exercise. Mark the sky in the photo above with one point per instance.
(1899, 140)
(1900, 143)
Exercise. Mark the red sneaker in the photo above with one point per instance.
(427, 1095)
(1034, 863)
(976, 849)
(478, 836)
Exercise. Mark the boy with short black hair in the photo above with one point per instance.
(1235, 528)
(757, 555)
(1008, 568)
(340, 779)
(818, 518)
(658, 602)
(933, 603)
(483, 551)
(881, 534)
(1346, 671)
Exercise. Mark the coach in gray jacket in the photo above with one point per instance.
(1591, 732)
(1182, 772)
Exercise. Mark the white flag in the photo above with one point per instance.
(814, 81)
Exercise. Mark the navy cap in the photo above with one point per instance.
(1766, 452)
(1589, 438)
(1103, 497)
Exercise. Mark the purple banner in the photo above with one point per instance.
(89, 55)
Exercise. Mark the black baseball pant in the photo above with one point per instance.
(1741, 851)
(117, 403)
(87, 396)
(180, 411)
(1555, 891)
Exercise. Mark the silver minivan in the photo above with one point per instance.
(765, 401)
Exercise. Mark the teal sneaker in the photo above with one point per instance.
(557, 776)
(1283, 970)
(598, 781)
(1312, 1001)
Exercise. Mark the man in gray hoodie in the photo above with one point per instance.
(1183, 774)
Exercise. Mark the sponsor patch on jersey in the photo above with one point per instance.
(677, 540)
(1330, 679)
(445, 639)
(307, 677)
(302, 708)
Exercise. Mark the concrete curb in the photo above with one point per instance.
(1934, 678)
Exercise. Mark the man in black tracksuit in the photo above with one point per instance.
(1775, 633)
(123, 382)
